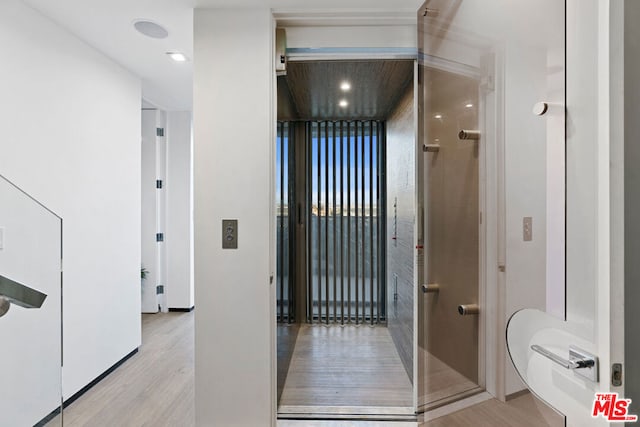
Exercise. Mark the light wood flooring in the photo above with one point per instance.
(153, 388)
(156, 388)
(342, 367)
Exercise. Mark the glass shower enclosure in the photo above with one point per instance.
(490, 218)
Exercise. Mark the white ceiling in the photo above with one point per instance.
(107, 25)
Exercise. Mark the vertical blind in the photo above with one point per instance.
(345, 222)
(285, 180)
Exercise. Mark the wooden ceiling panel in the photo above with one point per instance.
(375, 88)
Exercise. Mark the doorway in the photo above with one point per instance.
(337, 353)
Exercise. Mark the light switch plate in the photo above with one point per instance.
(229, 234)
(527, 228)
(1, 238)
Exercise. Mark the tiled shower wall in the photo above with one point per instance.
(400, 226)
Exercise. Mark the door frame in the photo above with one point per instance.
(491, 344)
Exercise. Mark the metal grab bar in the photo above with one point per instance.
(430, 288)
(584, 363)
(469, 134)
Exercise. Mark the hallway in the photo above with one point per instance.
(155, 387)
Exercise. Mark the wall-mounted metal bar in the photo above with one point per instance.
(469, 134)
(468, 309)
(430, 288)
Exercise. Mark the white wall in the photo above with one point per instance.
(525, 187)
(179, 228)
(234, 124)
(70, 119)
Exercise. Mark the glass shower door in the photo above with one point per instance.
(449, 300)
(30, 310)
(491, 128)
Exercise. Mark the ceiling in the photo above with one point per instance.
(107, 25)
(376, 87)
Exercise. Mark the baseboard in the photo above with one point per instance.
(512, 396)
(43, 422)
(84, 389)
(102, 376)
(181, 310)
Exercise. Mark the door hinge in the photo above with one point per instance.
(159, 131)
(158, 184)
(159, 289)
(159, 237)
(616, 374)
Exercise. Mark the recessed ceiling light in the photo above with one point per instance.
(343, 103)
(177, 56)
(150, 29)
(345, 86)
(469, 105)
(437, 116)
